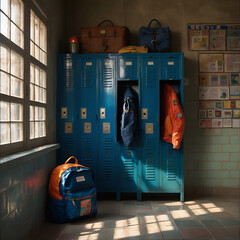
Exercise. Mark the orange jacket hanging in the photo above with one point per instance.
(172, 118)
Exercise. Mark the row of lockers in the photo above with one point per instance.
(90, 98)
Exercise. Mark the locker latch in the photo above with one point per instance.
(102, 113)
(106, 127)
(144, 113)
(83, 113)
(63, 112)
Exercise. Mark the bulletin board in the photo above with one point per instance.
(219, 90)
(214, 37)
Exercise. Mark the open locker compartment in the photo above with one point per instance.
(127, 158)
(171, 160)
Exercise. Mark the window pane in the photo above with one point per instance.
(5, 25)
(32, 130)
(31, 113)
(5, 6)
(16, 132)
(17, 13)
(4, 111)
(5, 59)
(36, 31)
(16, 112)
(4, 83)
(16, 35)
(31, 92)
(36, 132)
(32, 49)
(42, 129)
(37, 52)
(32, 73)
(37, 91)
(5, 133)
(16, 87)
(42, 113)
(43, 37)
(36, 114)
(16, 65)
(37, 75)
(32, 33)
(43, 79)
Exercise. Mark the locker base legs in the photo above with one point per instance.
(182, 197)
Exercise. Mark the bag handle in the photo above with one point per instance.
(76, 161)
(160, 25)
(104, 22)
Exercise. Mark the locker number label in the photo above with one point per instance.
(149, 128)
(106, 127)
(87, 127)
(68, 127)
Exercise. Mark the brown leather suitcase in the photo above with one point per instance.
(100, 39)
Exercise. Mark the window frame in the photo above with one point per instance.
(28, 143)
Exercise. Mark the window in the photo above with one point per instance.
(23, 75)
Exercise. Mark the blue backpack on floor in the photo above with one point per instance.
(72, 192)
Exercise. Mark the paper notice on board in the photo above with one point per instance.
(211, 62)
(236, 123)
(217, 123)
(234, 92)
(217, 40)
(232, 62)
(198, 39)
(227, 123)
(235, 79)
(227, 113)
(233, 40)
(204, 93)
(205, 123)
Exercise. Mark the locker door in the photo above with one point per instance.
(150, 124)
(171, 162)
(170, 67)
(67, 134)
(87, 108)
(127, 159)
(107, 125)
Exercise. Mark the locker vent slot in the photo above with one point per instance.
(150, 169)
(128, 73)
(88, 78)
(68, 143)
(88, 143)
(108, 169)
(128, 169)
(107, 78)
(150, 161)
(171, 169)
(171, 72)
(107, 143)
(150, 76)
(151, 144)
(68, 72)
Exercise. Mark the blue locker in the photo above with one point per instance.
(150, 179)
(171, 160)
(87, 102)
(107, 125)
(127, 159)
(67, 133)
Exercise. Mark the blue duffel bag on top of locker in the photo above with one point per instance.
(156, 39)
(72, 192)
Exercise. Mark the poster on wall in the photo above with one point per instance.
(233, 40)
(232, 62)
(235, 79)
(234, 92)
(198, 39)
(214, 37)
(217, 40)
(210, 62)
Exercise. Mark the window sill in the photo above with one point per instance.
(21, 157)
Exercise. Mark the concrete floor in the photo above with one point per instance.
(208, 218)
